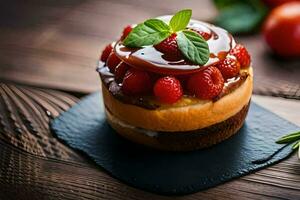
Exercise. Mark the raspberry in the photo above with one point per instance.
(168, 89)
(120, 72)
(126, 32)
(169, 46)
(241, 54)
(206, 84)
(112, 61)
(205, 35)
(105, 53)
(229, 67)
(136, 82)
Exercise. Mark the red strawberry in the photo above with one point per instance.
(229, 67)
(112, 61)
(105, 53)
(136, 82)
(120, 72)
(126, 32)
(241, 54)
(207, 83)
(168, 89)
(169, 46)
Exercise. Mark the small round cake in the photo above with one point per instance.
(176, 84)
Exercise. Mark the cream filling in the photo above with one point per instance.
(122, 124)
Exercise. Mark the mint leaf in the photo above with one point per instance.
(180, 20)
(193, 47)
(146, 34)
(289, 138)
(157, 25)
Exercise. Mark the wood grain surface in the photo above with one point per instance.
(56, 44)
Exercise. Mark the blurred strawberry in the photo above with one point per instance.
(275, 3)
(282, 30)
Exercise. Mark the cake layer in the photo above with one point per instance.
(181, 141)
(182, 118)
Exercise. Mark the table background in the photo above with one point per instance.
(48, 53)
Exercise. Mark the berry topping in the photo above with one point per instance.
(169, 46)
(168, 89)
(105, 53)
(126, 32)
(136, 82)
(112, 61)
(205, 35)
(120, 71)
(229, 67)
(206, 84)
(241, 54)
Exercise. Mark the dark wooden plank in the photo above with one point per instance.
(35, 165)
(55, 44)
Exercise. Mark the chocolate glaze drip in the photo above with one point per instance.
(220, 43)
(114, 88)
(232, 84)
(148, 58)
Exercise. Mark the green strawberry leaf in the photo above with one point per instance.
(240, 16)
(193, 47)
(221, 4)
(150, 32)
(180, 20)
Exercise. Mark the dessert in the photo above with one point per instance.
(176, 84)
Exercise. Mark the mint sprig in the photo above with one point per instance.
(180, 20)
(291, 138)
(193, 46)
(150, 32)
(153, 31)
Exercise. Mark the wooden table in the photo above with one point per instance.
(48, 51)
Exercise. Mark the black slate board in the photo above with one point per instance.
(83, 127)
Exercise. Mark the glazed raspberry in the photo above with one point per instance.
(205, 35)
(241, 54)
(169, 46)
(229, 67)
(206, 84)
(112, 61)
(120, 71)
(126, 32)
(136, 82)
(168, 89)
(105, 53)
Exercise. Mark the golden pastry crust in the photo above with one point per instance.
(184, 118)
(181, 141)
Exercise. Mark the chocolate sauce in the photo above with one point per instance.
(231, 84)
(150, 59)
(114, 88)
